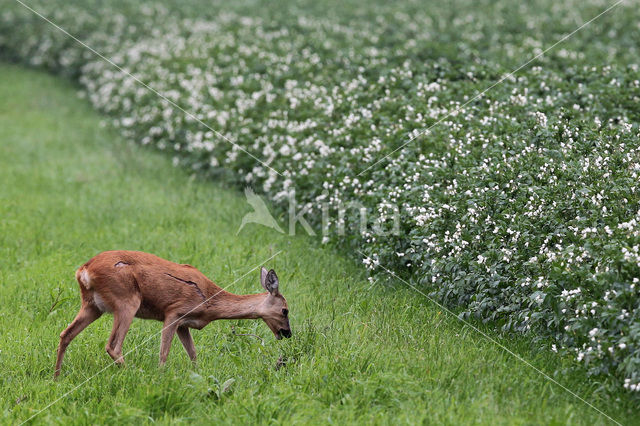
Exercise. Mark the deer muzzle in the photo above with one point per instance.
(284, 333)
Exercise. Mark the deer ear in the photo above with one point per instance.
(269, 281)
(263, 277)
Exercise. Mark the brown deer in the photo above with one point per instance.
(135, 284)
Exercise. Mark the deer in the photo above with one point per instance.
(130, 284)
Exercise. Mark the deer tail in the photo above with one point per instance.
(82, 275)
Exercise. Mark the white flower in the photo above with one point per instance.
(541, 118)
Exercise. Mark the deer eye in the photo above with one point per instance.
(285, 312)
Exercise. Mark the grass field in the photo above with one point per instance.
(373, 354)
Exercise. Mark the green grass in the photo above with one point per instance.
(360, 353)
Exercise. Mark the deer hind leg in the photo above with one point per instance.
(122, 318)
(87, 314)
(187, 341)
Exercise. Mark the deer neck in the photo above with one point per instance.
(234, 306)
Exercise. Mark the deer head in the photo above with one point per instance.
(274, 310)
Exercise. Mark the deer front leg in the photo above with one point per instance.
(187, 341)
(168, 330)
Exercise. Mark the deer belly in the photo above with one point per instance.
(148, 310)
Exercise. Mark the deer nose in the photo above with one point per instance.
(285, 333)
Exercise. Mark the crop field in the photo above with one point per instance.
(485, 154)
